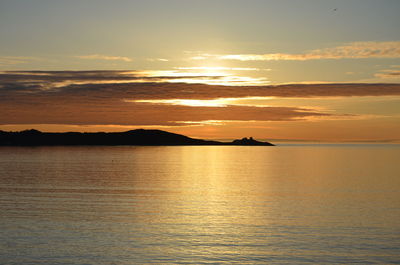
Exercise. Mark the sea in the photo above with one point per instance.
(288, 204)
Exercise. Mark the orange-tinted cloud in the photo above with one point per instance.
(355, 50)
(104, 57)
(113, 97)
(98, 111)
(388, 74)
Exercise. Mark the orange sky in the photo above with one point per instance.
(296, 70)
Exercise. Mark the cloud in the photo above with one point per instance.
(98, 97)
(222, 68)
(143, 99)
(96, 110)
(11, 60)
(105, 57)
(135, 85)
(354, 50)
(62, 78)
(157, 60)
(388, 74)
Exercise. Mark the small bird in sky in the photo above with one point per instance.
(334, 9)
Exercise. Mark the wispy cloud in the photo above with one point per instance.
(184, 102)
(157, 60)
(11, 60)
(206, 68)
(204, 75)
(388, 74)
(355, 50)
(104, 57)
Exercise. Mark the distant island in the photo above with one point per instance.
(139, 137)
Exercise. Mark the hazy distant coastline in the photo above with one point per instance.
(140, 137)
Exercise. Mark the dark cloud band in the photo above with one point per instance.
(61, 98)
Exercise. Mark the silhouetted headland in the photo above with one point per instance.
(133, 137)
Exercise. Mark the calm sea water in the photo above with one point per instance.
(200, 205)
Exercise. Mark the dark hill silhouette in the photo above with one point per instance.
(249, 141)
(133, 137)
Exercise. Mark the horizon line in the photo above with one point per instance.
(276, 140)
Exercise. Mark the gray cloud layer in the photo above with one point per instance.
(134, 85)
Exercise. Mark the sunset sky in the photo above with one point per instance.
(313, 70)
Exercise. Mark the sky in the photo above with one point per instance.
(314, 70)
